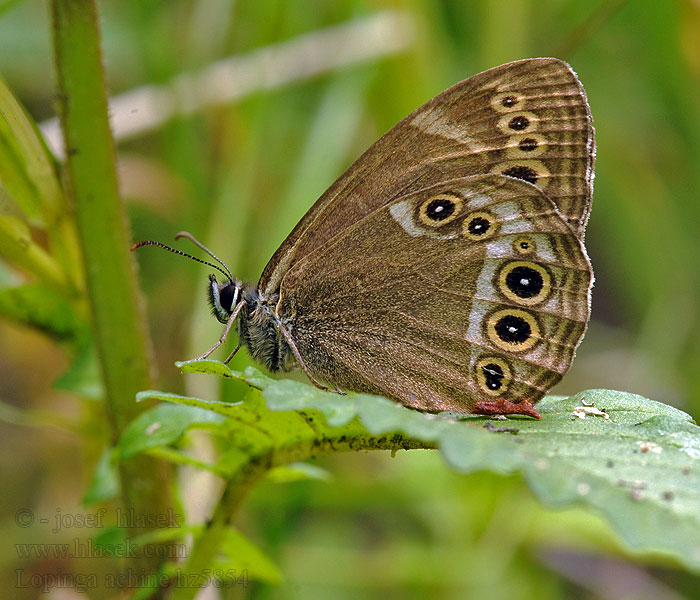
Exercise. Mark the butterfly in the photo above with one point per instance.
(445, 269)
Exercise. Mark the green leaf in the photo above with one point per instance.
(105, 480)
(181, 458)
(110, 535)
(7, 5)
(42, 307)
(298, 471)
(222, 408)
(27, 417)
(162, 425)
(239, 560)
(177, 531)
(14, 173)
(640, 467)
(241, 556)
(83, 376)
(212, 367)
(634, 460)
(26, 170)
(30, 190)
(18, 247)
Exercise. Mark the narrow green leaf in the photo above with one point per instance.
(13, 169)
(180, 458)
(30, 188)
(26, 170)
(18, 247)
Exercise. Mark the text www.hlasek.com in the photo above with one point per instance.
(87, 548)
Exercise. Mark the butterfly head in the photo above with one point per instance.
(223, 297)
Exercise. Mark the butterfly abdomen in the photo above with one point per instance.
(258, 330)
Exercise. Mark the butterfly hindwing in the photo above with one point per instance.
(452, 294)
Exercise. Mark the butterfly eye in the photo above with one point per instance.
(518, 122)
(226, 295)
(525, 282)
(493, 375)
(222, 298)
(525, 146)
(524, 245)
(507, 102)
(513, 330)
(479, 226)
(441, 209)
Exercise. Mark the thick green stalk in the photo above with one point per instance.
(117, 317)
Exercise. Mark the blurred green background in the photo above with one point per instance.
(238, 171)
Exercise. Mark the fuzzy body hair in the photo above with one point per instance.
(258, 329)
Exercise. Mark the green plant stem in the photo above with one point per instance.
(208, 543)
(116, 313)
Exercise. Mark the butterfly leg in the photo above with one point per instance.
(235, 351)
(504, 407)
(223, 337)
(302, 364)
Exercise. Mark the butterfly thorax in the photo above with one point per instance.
(258, 329)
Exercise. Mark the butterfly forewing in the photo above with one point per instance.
(527, 119)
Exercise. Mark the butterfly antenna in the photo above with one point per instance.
(227, 273)
(196, 242)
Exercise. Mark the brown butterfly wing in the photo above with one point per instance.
(441, 309)
(527, 119)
